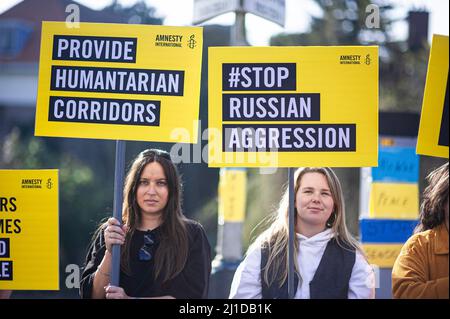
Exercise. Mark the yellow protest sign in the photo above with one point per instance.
(232, 192)
(293, 106)
(29, 232)
(394, 200)
(114, 81)
(433, 130)
(382, 255)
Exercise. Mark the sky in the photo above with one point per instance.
(298, 13)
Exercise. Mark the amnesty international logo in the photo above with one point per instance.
(168, 40)
(350, 59)
(31, 183)
(192, 43)
(367, 59)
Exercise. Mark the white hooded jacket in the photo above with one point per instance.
(247, 279)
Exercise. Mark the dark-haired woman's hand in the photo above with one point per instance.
(114, 234)
(113, 292)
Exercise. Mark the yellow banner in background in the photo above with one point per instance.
(433, 135)
(293, 106)
(29, 230)
(382, 255)
(119, 81)
(394, 200)
(232, 195)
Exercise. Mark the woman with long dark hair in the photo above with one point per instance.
(421, 269)
(164, 254)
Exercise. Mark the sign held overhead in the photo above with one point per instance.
(433, 130)
(287, 107)
(122, 82)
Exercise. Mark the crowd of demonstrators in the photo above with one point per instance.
(165, 255)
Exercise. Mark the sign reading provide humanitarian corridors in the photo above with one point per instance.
(112, 81)
(297, 106)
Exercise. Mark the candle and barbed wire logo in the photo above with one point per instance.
(367, 59)
(49, 183)
(192, 43)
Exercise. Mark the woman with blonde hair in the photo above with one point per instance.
(329, 264)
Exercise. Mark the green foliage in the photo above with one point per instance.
(264, 192)
(343, 22)
(402, 78)
(207, 217)
(138, 13)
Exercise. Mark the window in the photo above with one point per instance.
(14, 34)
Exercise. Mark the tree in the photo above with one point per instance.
(139, 13)
(348, 22)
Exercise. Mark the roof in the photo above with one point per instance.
(29, 14)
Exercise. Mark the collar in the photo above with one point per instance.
(324, 236)
(441, 240)
(155, 232)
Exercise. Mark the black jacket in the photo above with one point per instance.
(192, 282)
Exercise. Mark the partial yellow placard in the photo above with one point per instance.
(433, 129)
(119, 81)
(382, 255)
(394, 200)
(232, 195)
(29, 233)
(293, 106)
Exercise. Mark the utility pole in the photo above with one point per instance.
(238, 34)
(231, 202)
(232, 182)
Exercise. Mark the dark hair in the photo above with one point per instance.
(435, 196)
(172, 251)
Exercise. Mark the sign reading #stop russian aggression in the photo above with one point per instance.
(113, 81)
(293, 106)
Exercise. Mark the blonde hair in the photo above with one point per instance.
(276, 237)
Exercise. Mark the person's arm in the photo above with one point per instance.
(95, 276)
(193, 280)
(362, 280)
(102, 277)
(247, 278)
(93, 260)
(410, 274)
(5, 294)
(113, 292)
